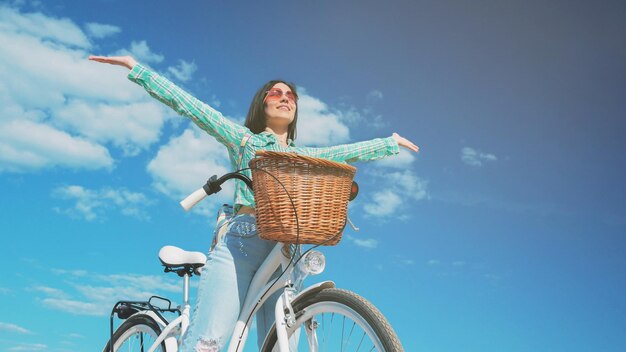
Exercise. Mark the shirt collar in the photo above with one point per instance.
(272, 139)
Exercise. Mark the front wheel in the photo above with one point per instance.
(337, 320)
(137, 333)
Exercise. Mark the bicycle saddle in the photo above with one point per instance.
(174, 257)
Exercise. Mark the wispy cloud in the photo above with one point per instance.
(374, 95)
(403, 261)
(383, 203)
(453, 263)
(368, 243)
(12, 328)
(461, 268)
(93, 204)
(141, 51)
(76, 273)
(77, 307)
(183, 71)
(482, 200)
(95, 294)
(475, 157)
(101, 30)
(399, 187)
(28, 347)
(492, 277)
(50, 291)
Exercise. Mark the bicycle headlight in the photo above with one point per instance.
(313, 263)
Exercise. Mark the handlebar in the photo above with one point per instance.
(212, 186)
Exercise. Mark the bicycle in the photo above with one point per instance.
(318, 309)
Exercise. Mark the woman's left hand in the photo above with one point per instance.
(403, 142)
(126, 61)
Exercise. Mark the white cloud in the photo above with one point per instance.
(403, 160)
(374, 95)
(92, 204)
(403, 261)
(76, 307)
(101, 30)
(317, 124)
(146, 282)
(28, 347)
(399, 187)
(492, 277)
(47, 85)
(186, 162)
(368, 243)
(363, 116)
(50, 291)
(26, 146)
(383, 203)
(130, 127)
(96, 295)
(183, 71)
(475, 157)
(76, 273)
(141, 52)
(408, 184)
(62, 31)
(12, 328)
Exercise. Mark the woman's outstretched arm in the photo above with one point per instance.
(363, 151)
(225, 131)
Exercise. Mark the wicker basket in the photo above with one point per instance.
(319, 189)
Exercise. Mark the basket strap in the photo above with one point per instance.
(244, 140)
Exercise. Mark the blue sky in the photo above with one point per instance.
(505, 233)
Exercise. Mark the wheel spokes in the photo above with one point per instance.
(349, 335)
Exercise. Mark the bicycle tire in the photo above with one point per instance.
(138, 333)
(323, 307)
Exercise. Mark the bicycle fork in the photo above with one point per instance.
(288, 321)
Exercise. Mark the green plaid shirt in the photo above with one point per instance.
(230, 134)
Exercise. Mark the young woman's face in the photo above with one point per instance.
(280, 105)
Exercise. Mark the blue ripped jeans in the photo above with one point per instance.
(224, 282)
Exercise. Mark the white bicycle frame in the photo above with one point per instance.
(261, 288)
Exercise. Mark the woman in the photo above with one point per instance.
(234, 259)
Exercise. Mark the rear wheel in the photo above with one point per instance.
(337, 320)
(137, 333)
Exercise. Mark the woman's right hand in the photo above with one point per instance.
(126, 61)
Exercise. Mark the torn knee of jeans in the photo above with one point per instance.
(208, 345)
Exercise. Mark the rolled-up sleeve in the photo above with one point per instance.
(361, 151)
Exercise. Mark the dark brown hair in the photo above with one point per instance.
(256, 121)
